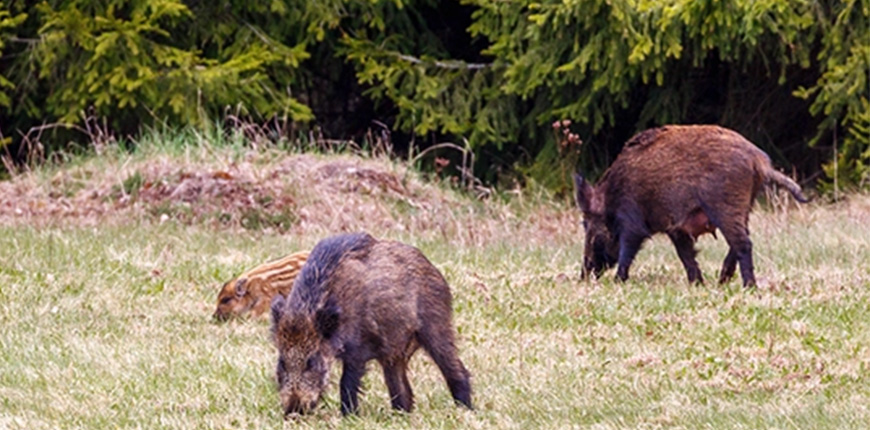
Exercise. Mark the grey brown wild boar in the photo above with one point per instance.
(359, 299)
(683, 181)
(252, 291)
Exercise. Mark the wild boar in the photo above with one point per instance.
(683, 181)
(359, 299)
(252, 291)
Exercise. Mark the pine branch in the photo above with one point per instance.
(452, 65)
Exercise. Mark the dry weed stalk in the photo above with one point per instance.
(32, 150)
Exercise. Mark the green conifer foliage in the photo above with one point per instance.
(493, 73)
(140, 61)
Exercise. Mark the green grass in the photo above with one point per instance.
(108, 326)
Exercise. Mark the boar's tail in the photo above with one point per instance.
(787, 183)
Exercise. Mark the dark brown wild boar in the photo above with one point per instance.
(359, 299)
(683, 181)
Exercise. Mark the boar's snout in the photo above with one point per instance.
(222, 313)
(601, 248)
(295, 405)
(300, 391)
(598, 255)
(590, 267)
(595, 266)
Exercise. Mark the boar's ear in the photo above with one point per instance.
(277, 309)
(585, 194)
(240, 288)
(326, 319)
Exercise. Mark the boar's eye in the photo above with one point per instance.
(226, 300)
(310, 363)
(599, 247)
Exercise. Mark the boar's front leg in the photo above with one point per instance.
(686, 250)
(629, 245)
(351, 375)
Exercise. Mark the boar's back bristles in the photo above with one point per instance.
(308, 290)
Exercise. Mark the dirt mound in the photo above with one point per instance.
(294, 194)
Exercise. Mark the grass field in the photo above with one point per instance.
(107, 325)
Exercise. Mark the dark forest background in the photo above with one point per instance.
(490, 76)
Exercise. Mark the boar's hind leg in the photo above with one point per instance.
(686, 250)
(747, 271)
(351, 375)
(436, 338)
(728, 266)
(741, 251)
(731, 221)
(396, 378)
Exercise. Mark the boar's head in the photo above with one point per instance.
(304, 353)
(233, 300)
(602, 246)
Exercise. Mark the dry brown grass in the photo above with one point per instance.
(291, 193)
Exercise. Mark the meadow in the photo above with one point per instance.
(105, 313)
